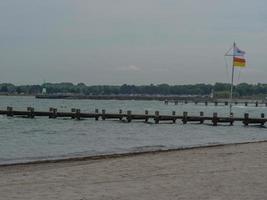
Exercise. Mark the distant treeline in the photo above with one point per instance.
(219, 89)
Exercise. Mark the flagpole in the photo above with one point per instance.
(232, 81)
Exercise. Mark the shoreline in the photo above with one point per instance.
(18, 95)
(122, 155)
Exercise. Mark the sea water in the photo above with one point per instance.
(41, 138)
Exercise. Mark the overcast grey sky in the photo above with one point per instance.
(130, 41)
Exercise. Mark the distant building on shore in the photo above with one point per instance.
(44, 91)
(212, 94)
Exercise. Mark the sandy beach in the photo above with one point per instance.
(223, 172)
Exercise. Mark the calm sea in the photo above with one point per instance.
(23, 140)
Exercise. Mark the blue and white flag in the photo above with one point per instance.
(238, 52)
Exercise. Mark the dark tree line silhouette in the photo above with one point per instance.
(219, 89)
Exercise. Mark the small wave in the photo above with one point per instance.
(3, 118)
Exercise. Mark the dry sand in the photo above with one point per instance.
(225, 172)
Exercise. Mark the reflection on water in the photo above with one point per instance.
(23, 139)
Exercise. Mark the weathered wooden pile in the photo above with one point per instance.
(129, 116)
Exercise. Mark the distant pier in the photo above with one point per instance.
(123, 97)
(171, 99)
(128, 116)
(218, 102)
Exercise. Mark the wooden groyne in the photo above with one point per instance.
(128, 116)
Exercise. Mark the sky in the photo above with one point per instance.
(131, 41)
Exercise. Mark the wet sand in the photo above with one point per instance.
(223, 172)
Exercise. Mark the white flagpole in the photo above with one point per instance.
(232, 81)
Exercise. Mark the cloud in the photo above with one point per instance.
(129, 68)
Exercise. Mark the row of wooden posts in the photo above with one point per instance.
(216, 103)
(129, 116)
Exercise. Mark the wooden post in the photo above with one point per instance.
(246, 103)
(54, 113)
(78, 114)
(206, 103)
(257, 103)
(31, 112)
(156, 117)
(216, 103)
(215, 119)
(9, 111)
(262, 116)
(103, 114)
(73, 110)
(120, 112)
(129, 116)
(236, 102)
(184, 117)
(96, 114)
(174, 119)
(50, 112)
(166, 102)
(246, 118)
(201, 115)
(146, 118)
(231, 119)
(226, 103)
